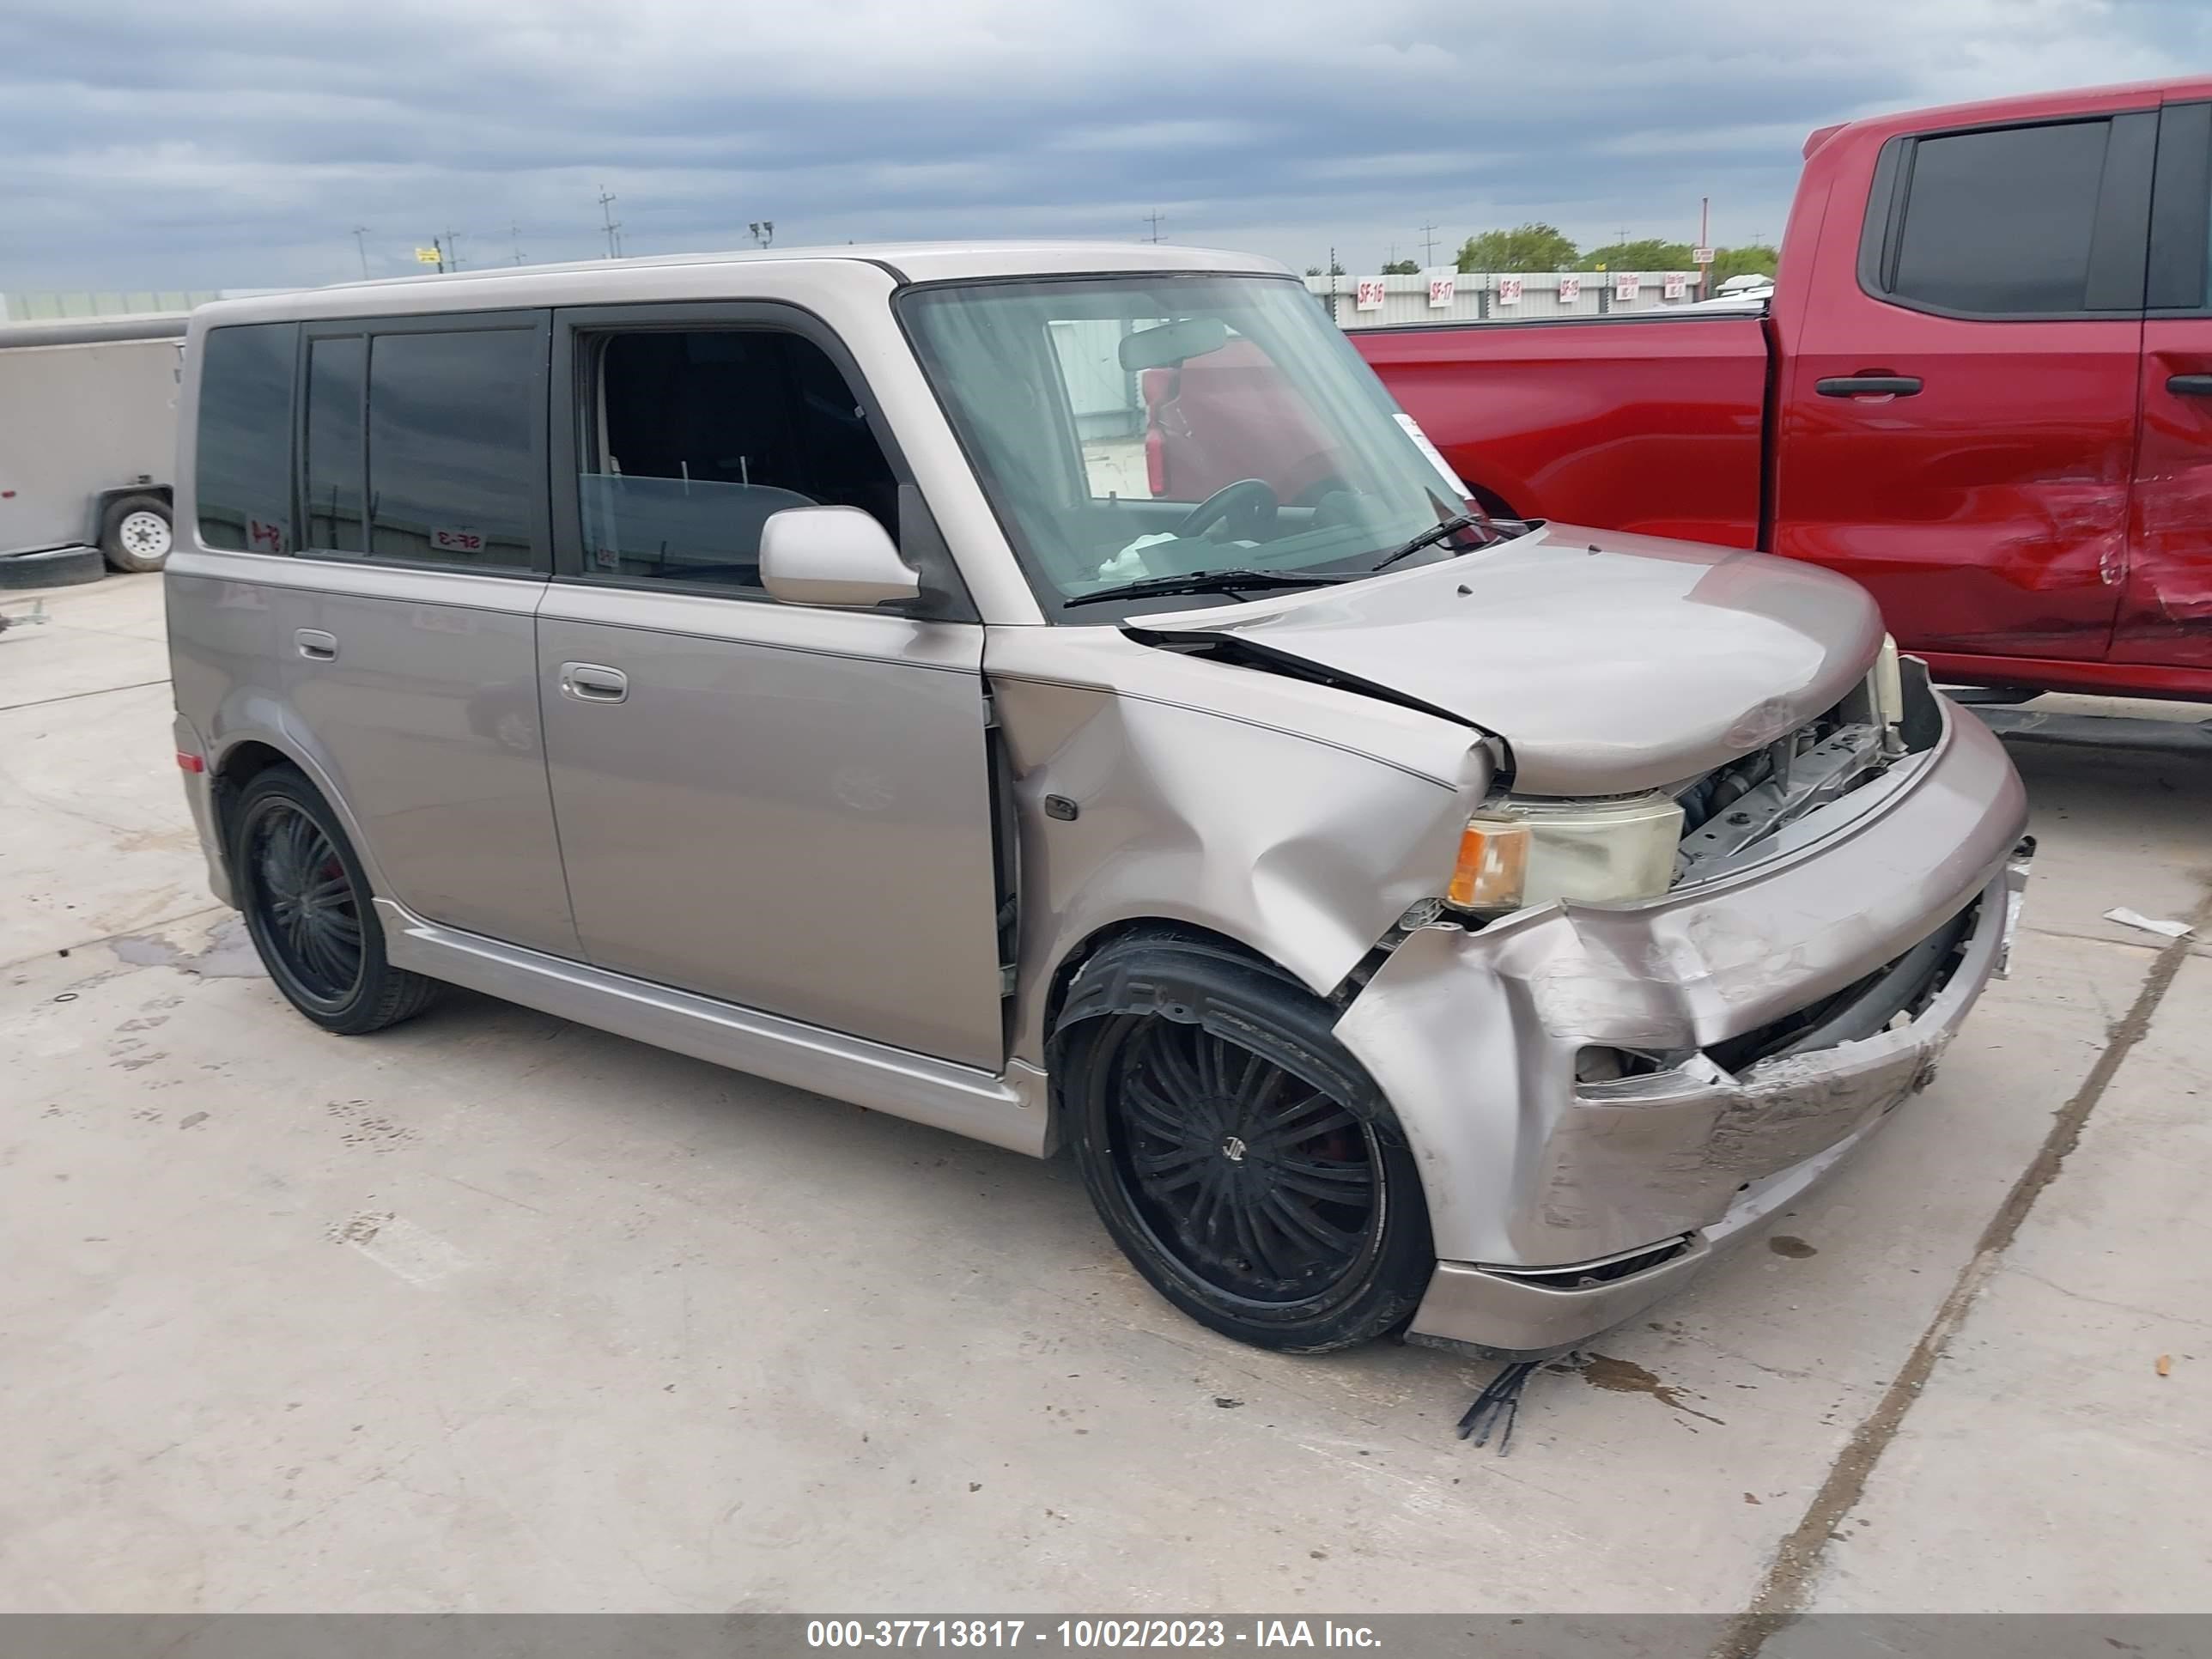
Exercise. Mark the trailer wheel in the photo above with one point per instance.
(62, 566)
(134, 533)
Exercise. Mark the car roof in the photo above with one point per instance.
(873, 265)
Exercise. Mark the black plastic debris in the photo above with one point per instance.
(1498, 1406)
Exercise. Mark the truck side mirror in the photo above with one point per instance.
(835, 556)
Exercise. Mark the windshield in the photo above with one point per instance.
(1131, 428)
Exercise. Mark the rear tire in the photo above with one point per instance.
(308, 911)
(135, 532)
(1241, 1157)
(61, 566)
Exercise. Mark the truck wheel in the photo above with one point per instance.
(62, 566)
(1242, 1158)
(135, 533)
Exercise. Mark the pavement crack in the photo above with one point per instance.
(72, 696)
(1788, 1583)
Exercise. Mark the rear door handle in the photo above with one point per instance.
(1868, 385)
(315, 645)
(2190, 386)
(591, 682)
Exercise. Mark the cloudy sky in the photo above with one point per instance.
(219, 143)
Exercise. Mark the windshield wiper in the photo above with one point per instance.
(1428, 538)
(1206, 581)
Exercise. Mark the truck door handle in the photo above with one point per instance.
(315, 645)
(591, 682)
(2190, 386)
(1868, 385)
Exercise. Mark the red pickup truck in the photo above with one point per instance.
(1983, 388)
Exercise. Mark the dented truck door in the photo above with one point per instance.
(2166, 608)
(1992, 258)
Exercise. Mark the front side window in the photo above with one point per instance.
(451, 452)
(2001, 222)
(1130, 428)
(691, 439)
(244, 437)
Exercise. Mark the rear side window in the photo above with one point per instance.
(2002, 222)
(244, 438)
(451, 447)
(336, 370)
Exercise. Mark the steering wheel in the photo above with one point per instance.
(1247, 507)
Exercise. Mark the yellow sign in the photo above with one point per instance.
(427, 255)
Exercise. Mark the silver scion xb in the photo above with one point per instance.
(1410, 922)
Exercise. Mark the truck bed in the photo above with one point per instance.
(1648, 421)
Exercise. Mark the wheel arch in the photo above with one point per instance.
(243, 755)
(1158, 930)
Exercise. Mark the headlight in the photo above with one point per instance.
(1517, 852)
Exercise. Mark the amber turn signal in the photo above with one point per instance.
(1493, 868)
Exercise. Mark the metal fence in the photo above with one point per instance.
(1499, 297)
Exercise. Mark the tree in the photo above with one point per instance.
(1735, 261)
(1649, 254)
(1534, 246)
(1333, 270)
(1402, 268)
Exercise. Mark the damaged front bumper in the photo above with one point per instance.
(1829, 981)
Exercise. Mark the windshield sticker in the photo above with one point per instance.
(1436, 456)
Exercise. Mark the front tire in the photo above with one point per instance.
(308, 911)
(1241, 1157)
(136, 533)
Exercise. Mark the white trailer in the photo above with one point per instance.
(87, 442)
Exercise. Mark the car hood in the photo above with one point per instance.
(1609, 663)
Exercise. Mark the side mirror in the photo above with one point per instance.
(833, 555)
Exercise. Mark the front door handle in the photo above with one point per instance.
(591, 682)
(1868, 385)
(2190, 386)
(315, 645)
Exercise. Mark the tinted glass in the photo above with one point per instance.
(2001, 222)
(449, 446)
(244, 438)
(333, 492)
(696, 437)
(2181, 225)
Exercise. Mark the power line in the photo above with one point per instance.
(1154, 221)
(360, 233)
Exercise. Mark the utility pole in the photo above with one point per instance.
(763, 232)
(613, 225)
(515, 231)
(1428, 245)
(438, 247)
(453, 245)
(360, 233)
(1153, 220)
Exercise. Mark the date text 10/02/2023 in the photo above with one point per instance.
(1085, 1634)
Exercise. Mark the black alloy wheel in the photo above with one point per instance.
(1256, 1182)
(1241, 1157)
(306, 903)
(309, 911)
